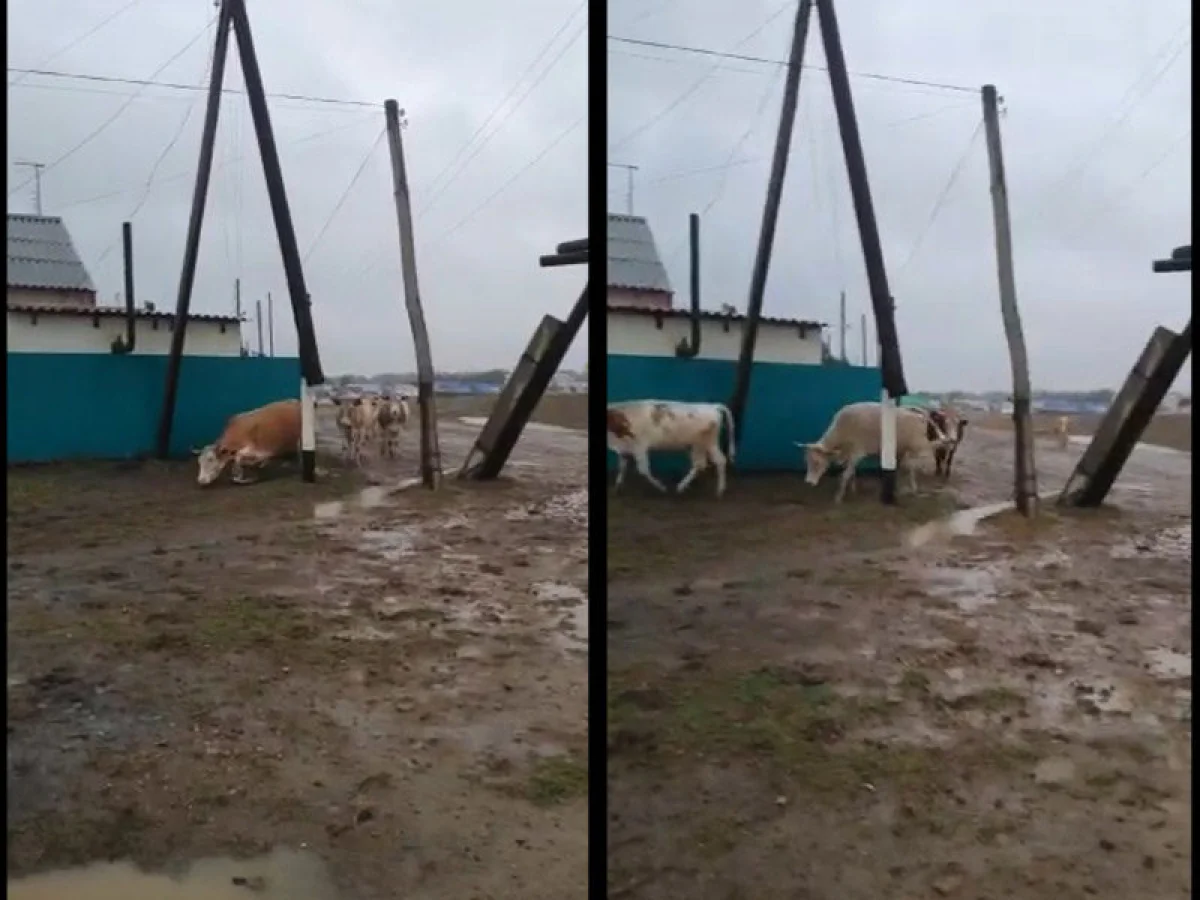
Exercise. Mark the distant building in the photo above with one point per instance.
(637, 277)
(51, 303)
(43, 266)
(638, 331)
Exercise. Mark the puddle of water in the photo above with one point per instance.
(968, 589)
(327, 511)
(282, 875)
(480, 421)
(962, 523)
(571, 507)
(1169, 664)
(392, 544)
(554, 592)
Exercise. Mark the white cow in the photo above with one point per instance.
(357, 420)
(391, 416)
(854, 435)
(639, 426)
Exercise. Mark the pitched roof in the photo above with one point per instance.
(41, 255)
(633, 260)
(709, 316)
(87, 312)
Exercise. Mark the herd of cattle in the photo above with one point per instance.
(636, 428)
(252, 439)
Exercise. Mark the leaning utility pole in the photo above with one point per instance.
(431, 465)
(233, 17)
(766, 235)
(1026, 495)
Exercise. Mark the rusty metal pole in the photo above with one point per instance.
(187, 277)
(431, 468)
(766, 237)
(1026, 494)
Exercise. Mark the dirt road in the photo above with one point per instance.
(393, 683)
(803, 705)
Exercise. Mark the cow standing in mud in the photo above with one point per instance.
(952, 425)
(855, 434)
(357, 420)
(639, 426)
(392, 416)
(252, 439)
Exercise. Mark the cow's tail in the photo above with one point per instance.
(727, 416)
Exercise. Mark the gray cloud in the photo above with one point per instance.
(448, 65)
(1084, 244)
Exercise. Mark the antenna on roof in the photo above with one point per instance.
(37, 181)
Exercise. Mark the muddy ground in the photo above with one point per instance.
(1172, 430)
(394, 683)
(803, 705)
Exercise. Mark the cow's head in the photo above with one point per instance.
(213, 460)
(816, 461)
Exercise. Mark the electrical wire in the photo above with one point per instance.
(1134, 94)
(121, 109)
(513, 180)
(750, 129)
(346, 193)
(695, 86)
(176, 86)
(941, 200)
(466, 162)
(79, 40)
(499, 106)
(702, 51)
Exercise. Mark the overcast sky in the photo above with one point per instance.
(1097, 150)
(448, 65)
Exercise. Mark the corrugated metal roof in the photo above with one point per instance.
(87, 312)
(41, 255)
(709, 315)
(633, 260)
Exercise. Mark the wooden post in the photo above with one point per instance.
(842, 327)
(270, 325)
(258, 321)
(864, 339)
(1026, 475)
(191, 248)
(766, 235)
(430, 461)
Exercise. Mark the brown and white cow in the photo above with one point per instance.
(357, 421)
(252, 439)
(854, 434)
(639, 426)
(953, 425)
(391, 417)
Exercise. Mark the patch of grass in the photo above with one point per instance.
(994, 699)
(915, 681)
(557, 779)
(797, 731)
(716, 836)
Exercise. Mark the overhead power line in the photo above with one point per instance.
(695, 86)
(941, 200)
(75, 43)
(346, 193)
(176, 86)
(499, 106)
(124, 106)
(520, 100)
(702, 51)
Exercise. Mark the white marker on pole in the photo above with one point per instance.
(887, 435)
(308, 433)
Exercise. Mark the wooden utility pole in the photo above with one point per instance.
(258, 321)
(431, 467)
(1026, 494)
(864, 339)
(766, 235)
(233, 18)
(270, 325)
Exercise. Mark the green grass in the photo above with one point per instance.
(557, 779)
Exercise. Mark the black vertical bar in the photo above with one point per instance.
(130, 307)
(860, 189)
(766, 237)
(192, 247)
(310, 361)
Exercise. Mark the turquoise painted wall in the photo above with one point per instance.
(100, 406)
(787, 402)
